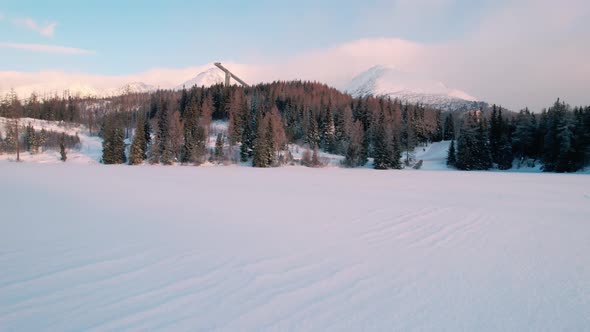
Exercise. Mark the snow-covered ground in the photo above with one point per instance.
(114, 248)
(433, 156)
(89, 151)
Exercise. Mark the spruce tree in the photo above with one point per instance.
(31, 140)
(246, 133)
(438, 132)
(483, 151)
(449, 128)
(219, 148)
(11, 138)
(329, 139)
(381, 149)
(496, 124)
(452, 156)
(271, 145)
(396, 153)
(62, 148)
(260, 149)
(138, 146)
(313, 136)
(113, 145)
(408, 133)
(188, 152)
(523, 140)
(505, 156)
(469, 144)
(557, 138)
(106, 131)
(354, 151)
(119, 141)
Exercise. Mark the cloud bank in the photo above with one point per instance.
(46, 48)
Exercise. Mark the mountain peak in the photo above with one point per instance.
(209, 77)
(381, 80)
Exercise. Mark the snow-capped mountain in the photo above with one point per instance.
(206, 78)
(135, 87)
(386, 81)
(83, 90)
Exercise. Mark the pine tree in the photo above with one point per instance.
(472, 147)
(452, 156)
(42, 138)
(188, 153)
(396, 152)
(449, 128)
(354, 151)
(261, 147)
(313, 136)
(505, 156)
(557, 140)
(113, 145)
(271, 144)
(246, 133)
(381, 148)
(106, 131)
(408, 133)
(523, 140)
(438, 133)
(62, 148)
(219, 148)
(483, 153)
(31, 140)
(341, 129)
(11, 138)
(495, 132)
(138, 146)
(183, 101)
(163, 149)
(329, 139)
(147, 132)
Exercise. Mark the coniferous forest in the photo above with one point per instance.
(172, 127)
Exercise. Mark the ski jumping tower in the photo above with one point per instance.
(229, 75)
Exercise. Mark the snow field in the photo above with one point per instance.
(94, 247)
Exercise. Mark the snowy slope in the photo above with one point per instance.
(90, 151)
(206, 78)
(433, 156)
(119, 248)
(385, 81)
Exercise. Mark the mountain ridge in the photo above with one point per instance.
(381, 80)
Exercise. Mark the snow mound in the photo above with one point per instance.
(408, 87)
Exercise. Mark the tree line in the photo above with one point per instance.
(166, 127)
(558, 138)
(172, 127)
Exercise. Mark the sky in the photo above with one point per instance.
(515, 53)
